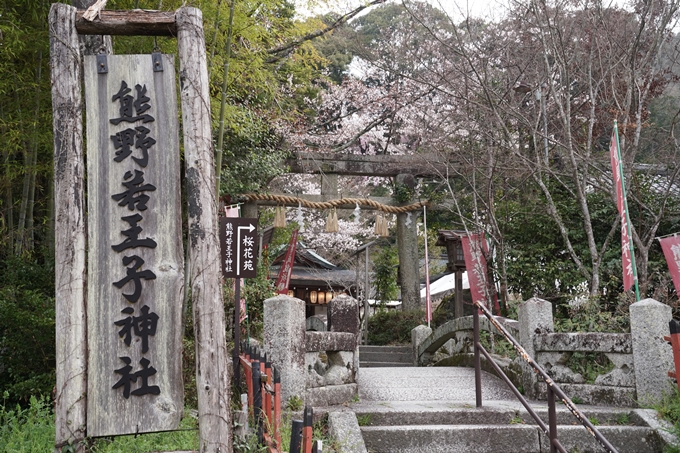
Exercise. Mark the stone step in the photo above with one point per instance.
(447, 413)
(516, 438)
(363, 364)
(403, 357)
(395, 349)
(427, 384)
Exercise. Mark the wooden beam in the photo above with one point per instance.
(428, 164)
(137, 22)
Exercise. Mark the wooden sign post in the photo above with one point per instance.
(110, 183)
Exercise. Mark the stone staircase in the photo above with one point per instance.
(432, 410)
(435, 427)
(385, 356)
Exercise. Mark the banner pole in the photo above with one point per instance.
(428, 301)
(625, 210)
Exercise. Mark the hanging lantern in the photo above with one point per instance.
(329, 296)
(321, 297)
(312, 297)
(291, 293)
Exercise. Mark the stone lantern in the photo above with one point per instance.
(452, 240)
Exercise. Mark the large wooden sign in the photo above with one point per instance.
(135, 260)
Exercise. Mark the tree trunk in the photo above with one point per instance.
(71, 338)
(30, 231)
(212, 366)
(7, 200)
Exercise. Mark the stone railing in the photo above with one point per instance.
(641, 359)
(318, 367)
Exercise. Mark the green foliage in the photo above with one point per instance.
(385, 274)
(295, 403)
(498, 345)
(589, 317)
(186, 438)
(249, 444)
(364, 419)
(26, 430)
(31, 429)
(623, 418)
(252, 153)
(27, 350)
(393, 326)
(189, 372)
(256, 291)
(402, 193)
(669, 409)
(590, 365)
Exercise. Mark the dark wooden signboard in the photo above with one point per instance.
(135, 258)
(238, 242)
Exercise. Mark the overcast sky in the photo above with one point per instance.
(457, 8)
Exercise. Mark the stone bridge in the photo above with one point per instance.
(640, 359)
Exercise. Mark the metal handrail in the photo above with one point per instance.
(553, 388)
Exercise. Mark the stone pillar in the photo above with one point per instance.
(249, 209)
(343, 316)
(535, 316)
(418, 335)
(329, 185)
(284, 343)
(407, 244)
(652, 356)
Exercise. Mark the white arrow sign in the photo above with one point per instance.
(250, 228)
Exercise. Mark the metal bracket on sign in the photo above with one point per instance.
(102, 65)
(157, 59)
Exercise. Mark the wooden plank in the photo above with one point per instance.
(137, 22)
(109, 411)
(212, 367)
(69, 174)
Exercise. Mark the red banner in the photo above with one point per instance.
(474, 248)
(283, 280)
(671, 250)
(617, 177)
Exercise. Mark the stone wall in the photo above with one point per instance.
(318, 367)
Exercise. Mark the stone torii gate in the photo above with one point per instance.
(403, 168)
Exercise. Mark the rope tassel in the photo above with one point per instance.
(332, 222)
(280, 217)
(381, 226)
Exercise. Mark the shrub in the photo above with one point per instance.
(393, 327)
(27, 348)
